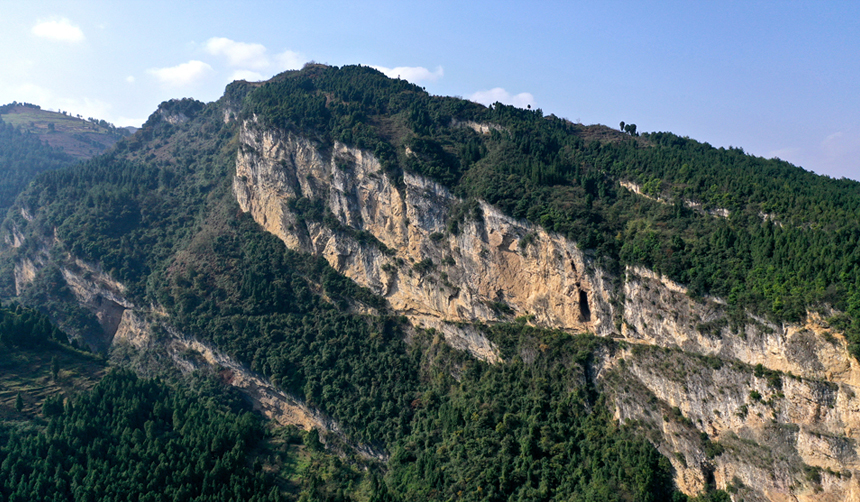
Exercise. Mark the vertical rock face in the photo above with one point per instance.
(784, 430)
(492, 267)
(768, 412)
(781, 399)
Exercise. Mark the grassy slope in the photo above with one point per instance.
(79, 138)
(28, 371)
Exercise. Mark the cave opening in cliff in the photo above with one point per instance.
(584, 311)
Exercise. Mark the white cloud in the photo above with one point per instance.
(49, 100)
(239, 54)
(32, 93)
(521, 100)
(181, 75)
(413, 74)
(130, 79)
(248, 75)
(87, 107)
(58, 29)
(289, 60)
(252, 61)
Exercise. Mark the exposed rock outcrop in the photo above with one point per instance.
(124, 323)
(766, 411)
(493, 267)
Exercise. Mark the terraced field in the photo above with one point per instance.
(78, 137)
(29, 372)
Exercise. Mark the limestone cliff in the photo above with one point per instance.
(494, 267)
(765, 411)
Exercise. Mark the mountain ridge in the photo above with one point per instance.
(320, 157)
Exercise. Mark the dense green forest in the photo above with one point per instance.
(788, 244)
(157, 214)
(22, 157)
(131, 439)
(25, 327)
(521, 430)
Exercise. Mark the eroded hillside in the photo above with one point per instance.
(705, 381)
(322, 239)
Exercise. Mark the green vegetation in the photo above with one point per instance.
(22, 157)
(255, 300)
(77, 137)
(38, 363)
(131, 438)
(23, 327)
(157, 213)
(159, 216)
(522, 430)
(789, 242)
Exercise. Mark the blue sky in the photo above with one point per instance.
(775, 78)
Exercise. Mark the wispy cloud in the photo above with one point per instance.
(837, 155)
(289, 60)
(250, 76)
(252, 62)
(60, 29)
(840, 154)
(51, 100)
(838, 144)
(181, 75)
(126, 121)
(239, 54)
(414, 74)
(500, 95)
(252, 56)
(783, 153)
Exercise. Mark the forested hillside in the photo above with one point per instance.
(405, 415)
(33, 141)
(22, 157)
(786, 242)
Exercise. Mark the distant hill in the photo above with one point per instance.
(80, 138)
(33, 140)
(22, 157)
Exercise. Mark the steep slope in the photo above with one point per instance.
(380, 235)
(435, 266)
(33, 141)
(717, 340)
(22, 157)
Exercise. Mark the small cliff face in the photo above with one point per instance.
(658, 311)
(784, 430)
(780, 399)
(125, 324)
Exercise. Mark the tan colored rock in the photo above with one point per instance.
(25, 273)
(770, 432)
(468, 273)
